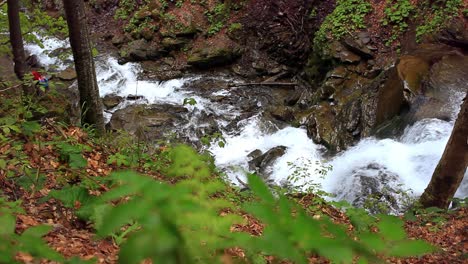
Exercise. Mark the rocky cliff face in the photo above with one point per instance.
(361, 88)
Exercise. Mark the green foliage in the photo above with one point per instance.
(189, 101)
(234, 27)
(347, 17)
(440, 12)
(290, 233)
(30, 241)
(397, 13)
(73, 154)
(216, 137)
(217, 18)
(185, 223)
(303, 181)
(32, 22)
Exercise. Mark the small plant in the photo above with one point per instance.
(397, 13)
(189, 101)
(73, 154)
(440, 13)
(216, 137)
(348, 16)
(234, 27)
(30, 241)
(217, 18)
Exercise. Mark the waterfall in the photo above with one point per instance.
(372, 164)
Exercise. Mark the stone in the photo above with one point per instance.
(357, 47)
(111, 100)
(261, 163)
(340, 52)
(134, 97)
(209, 57)
(364, 37)
(140, 50)
(68, 74)
(173, 43)
(390, 97)
(412, 70)
(282, 113)
(338, 72)
(147, 121)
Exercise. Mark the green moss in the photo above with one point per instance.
(347, 17)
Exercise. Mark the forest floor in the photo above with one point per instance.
(36, 149)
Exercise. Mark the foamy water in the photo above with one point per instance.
(411, 157)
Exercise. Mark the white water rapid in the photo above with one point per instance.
(399, 163)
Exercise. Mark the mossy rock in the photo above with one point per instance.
(213, 56)
(412, 70)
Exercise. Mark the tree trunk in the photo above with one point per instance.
(16, 41)
(90, 102)
(452, 166)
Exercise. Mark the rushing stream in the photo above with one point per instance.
(373, 164)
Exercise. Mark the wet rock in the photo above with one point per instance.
(282, 113)
(293, 98)
(412, 70)
(321, 128)
(118, 40)
(255, 154)
(133, 97)
(262, 163)
(140, 50)
(173, 43)
(67, 75)
(147, 121)
(213, 56)
(352, 116)
(338, 72)
(364, 37)
(357, 47)
(162, 70)
(111, 100)
(33, 61)
(390, 98)
(340, 52)
(373, 185)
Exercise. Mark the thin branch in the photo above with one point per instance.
(11, 87)
(263, 84)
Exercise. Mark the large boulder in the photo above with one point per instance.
(68, 74)
(147, 121)
(375, 187)
(111, 100)
(211, 56)
(261, 164)
(140, 50)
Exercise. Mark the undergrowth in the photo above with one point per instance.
(167, 203)
(347, 17)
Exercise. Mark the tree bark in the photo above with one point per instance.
(452, 166)
(90, 101)
(16, 41)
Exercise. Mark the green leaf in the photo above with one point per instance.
(259, 188)
(69, 195)
(391, 227)
(410, 248)
(77, 161)
(7, 224)
(37, 231)
(31, 127)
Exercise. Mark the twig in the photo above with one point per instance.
(263, 84)
(2, 2)
(243, 183)
(57, 129)
(11, 87)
